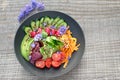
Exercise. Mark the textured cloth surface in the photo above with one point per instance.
(100, 21)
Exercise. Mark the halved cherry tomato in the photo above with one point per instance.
(53, 31)
(48, 62)
(32, 34)
(40, 64)
(47, 30)
(39, 30)
(56, 57)
(57, 33)
(62, 55)
(56, 64)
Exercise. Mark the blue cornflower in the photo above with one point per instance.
(34, 4)
(37, 37)
(40, 6)
(62, 30)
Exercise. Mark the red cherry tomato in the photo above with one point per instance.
(39, 30)
(57, 33)
(56, 64)
(48, 62)
(62, 55)
(53, 31)
(56, 57)
(32, 34)
(40, 64)
(47, 30)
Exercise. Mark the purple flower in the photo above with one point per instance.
(53, 27)
(44, 24)
(29, 8)
(62, 30)
(69, 58)
(37, 37)
(24, 12)
(33, 45)
(40, 6)
(21, 16)
(34, 4)
(30, 57)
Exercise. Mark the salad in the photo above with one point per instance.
(48, 42)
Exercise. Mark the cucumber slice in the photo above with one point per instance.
(59, 22)
(55, 20)
(27, 30)
(62, 24)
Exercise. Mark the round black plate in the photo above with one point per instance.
(52, 72)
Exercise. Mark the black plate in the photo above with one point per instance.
(52, 72)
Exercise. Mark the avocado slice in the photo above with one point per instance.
(55, 20)
(44, 34)
(59, 22)
(33, 25)
(37, 23)
(27, 30)
(46, 20)
(25, 46)
(42, 51)
(62, 24)
(41, 22)
(50, 21)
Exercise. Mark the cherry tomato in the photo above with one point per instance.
(62, 55)
(56, 64)
(32, 34)
(57, 33)
(40, 64)
(53, 31)
(48, 62)
(56, 57)
(47, 30)
(39, 30)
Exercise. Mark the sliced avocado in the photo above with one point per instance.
(44, 34)
(25, 46)
(42, 51)
(33, 26)
(55, 20)
(59, 22)
(62, 24)
(53, 37)
(50, 21)
(37, 23)
(46, 20)
(41, 22)
(27, 30)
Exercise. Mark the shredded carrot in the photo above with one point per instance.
(70, 45)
